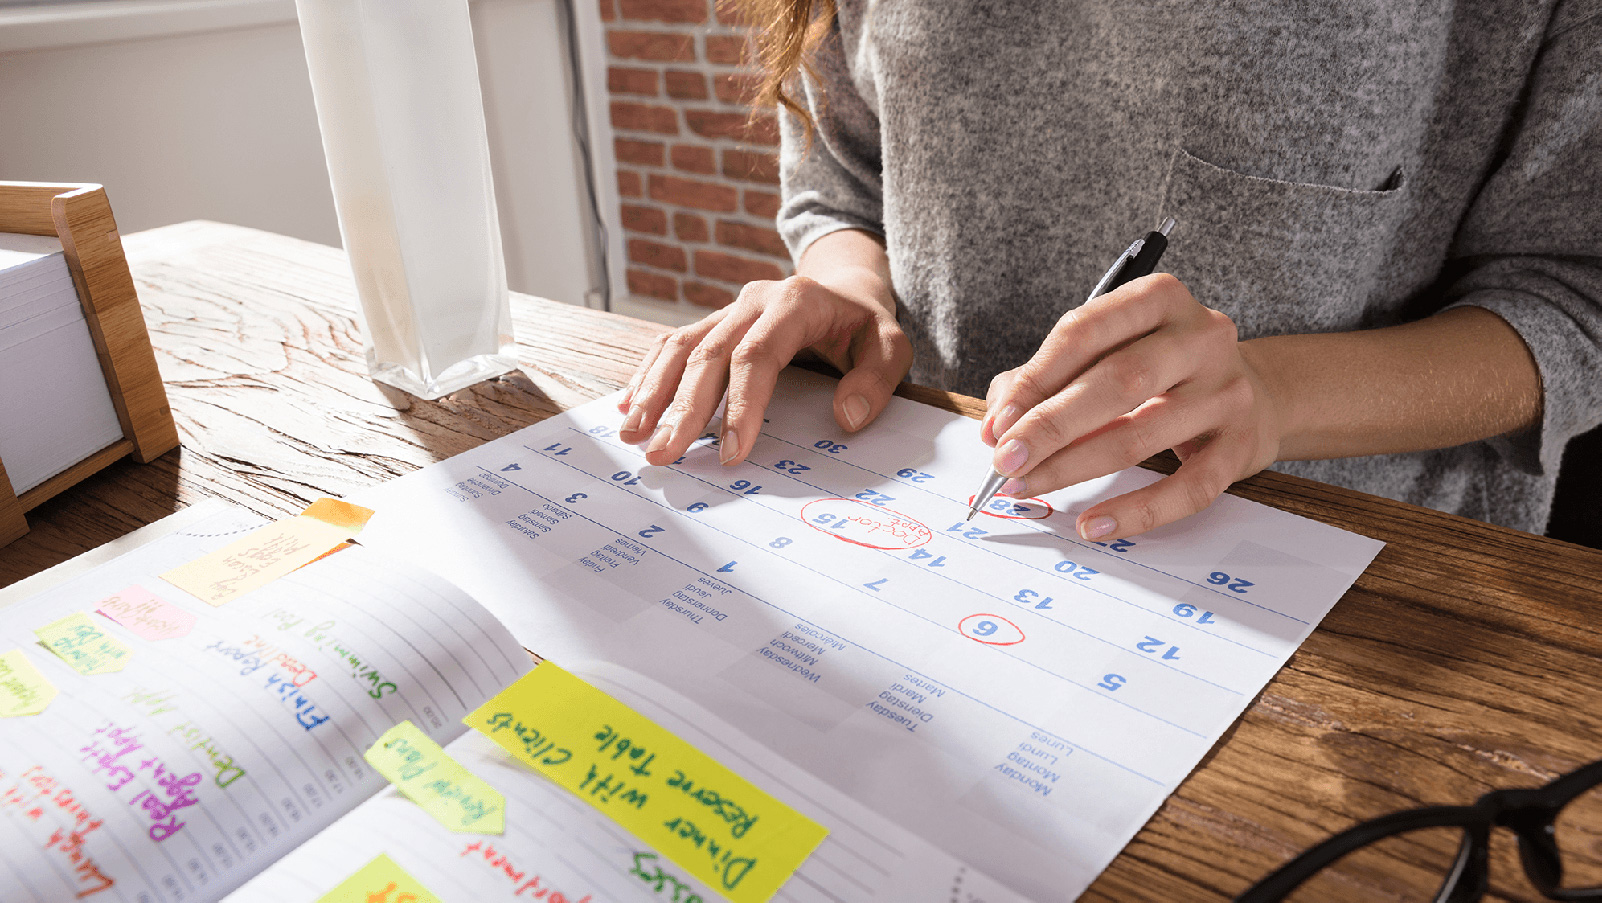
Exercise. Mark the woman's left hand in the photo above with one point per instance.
(1126, 375)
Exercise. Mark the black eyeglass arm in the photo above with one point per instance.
(1529, 812)
(1287, 877)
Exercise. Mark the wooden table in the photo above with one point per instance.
(1468, 657)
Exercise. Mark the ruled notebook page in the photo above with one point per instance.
(211, 754)
(557, 847)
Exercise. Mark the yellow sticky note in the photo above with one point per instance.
(23, 690)
(81, 643)
(380, 880)
(713, 823)
(429, 777)
(269, 553)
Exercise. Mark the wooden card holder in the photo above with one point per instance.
(81, 217)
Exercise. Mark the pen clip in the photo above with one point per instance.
(1116, 268)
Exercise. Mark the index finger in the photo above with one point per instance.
(769, 345)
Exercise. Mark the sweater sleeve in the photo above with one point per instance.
(1530, 247)
(834, 181)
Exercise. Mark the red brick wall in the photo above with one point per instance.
(698, 177)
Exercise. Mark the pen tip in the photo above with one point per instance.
(1167, 226)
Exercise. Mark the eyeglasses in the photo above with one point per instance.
(1559, 830)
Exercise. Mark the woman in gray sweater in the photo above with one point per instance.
(1387, 272)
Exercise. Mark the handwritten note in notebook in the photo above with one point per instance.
(210, 755)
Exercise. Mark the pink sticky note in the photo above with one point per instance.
(146, 614)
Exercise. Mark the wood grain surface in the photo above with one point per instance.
(1467, 658)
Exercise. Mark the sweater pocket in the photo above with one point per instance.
(1280, 257)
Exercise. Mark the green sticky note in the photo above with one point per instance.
(426, 775)
(81, 643)
(715, 824)
(23, 690)
(380, 880)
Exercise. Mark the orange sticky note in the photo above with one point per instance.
(339, 514)
(270, 553)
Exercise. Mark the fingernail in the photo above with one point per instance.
(1004, 420)
(660, 438)
(1011, 456)
(632, 422)
(855, 410)
(1013, 488)
(728, 447)
(1097, 527)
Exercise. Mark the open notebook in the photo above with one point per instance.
(225, 757)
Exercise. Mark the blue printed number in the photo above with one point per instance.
(1015, 509)
(1030, 597)
(935, 561)
(558, 448)
(833, 448)
(984, 628)
(1111, 682)
(1234, 584)
(696, 507)
(875, 584)
(626, 478)
(575, 497)
(968, 531)
(832, 521)
(745, 487)
(780, 543)
(1151, 644)
(791, 467)
(727, 568)
(1077, 571)
(874, 498)
(602, 431)
(1117, 545)
(1189, 611)
(916, 476)
(650, 531)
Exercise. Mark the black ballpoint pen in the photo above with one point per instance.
(1138, 260)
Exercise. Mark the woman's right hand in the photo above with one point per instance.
(839, 307)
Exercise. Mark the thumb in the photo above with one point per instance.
(881, 360)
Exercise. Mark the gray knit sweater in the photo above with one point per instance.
(1333, 166)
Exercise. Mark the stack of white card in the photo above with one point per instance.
(55, 409)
